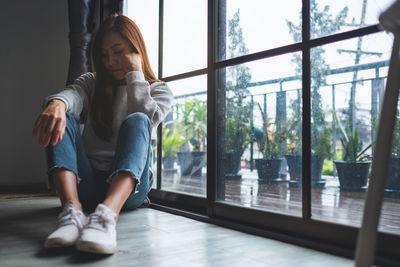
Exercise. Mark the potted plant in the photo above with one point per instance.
(192, 158)
(269, 165)
(321, 23)
(320, 144)
(237, 137)
(294, 133)
(172, 140)
(353, 169)
(321, 139)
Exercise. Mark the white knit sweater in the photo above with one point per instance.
(137, 95)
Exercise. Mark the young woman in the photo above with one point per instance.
(107, 167)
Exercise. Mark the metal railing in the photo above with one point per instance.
(280, 95)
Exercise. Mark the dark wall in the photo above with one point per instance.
(34, 56)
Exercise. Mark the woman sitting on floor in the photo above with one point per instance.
(107, 167)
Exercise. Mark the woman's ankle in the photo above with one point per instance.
(76, 203)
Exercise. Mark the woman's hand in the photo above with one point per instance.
(131, 62)
(51, 122)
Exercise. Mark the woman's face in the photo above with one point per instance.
(113, 48)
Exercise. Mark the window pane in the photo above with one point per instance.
(263, 120)
(145, 15)
(334, 16)
(184, 138)
(264, 25)
(354, 91)
(185, 36)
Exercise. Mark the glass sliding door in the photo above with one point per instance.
(260, 99)
(267, 97)
(347, 82)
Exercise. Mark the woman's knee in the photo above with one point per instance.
(136, 119)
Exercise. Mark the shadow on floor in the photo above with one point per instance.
(32, 224)
(74, 256)
(29, 224)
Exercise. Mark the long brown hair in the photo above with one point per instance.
(101, 106)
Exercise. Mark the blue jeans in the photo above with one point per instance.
(132, 154)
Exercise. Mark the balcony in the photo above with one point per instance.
(329, 201)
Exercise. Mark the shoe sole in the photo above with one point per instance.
(92, 247)
(57, 243)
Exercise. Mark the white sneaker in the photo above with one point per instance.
(99, 236)
(70, 223)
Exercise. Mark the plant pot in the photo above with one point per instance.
(191, 163)
(294, 163)
(268, 169)
(168, 162)
(393, 176)
(353, 176)
(232, 165)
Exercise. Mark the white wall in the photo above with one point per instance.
(34, 56)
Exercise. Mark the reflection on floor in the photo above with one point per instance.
(146, 237)
(329, 203)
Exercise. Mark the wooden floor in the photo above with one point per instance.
(329, 203)
(146, 237)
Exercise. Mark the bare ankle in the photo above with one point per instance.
(77, 204)
(113, 208)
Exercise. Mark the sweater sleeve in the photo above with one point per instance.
(155, 100)
(75, 96)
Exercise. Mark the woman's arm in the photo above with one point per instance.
(155, 100)
(51, 123)
(76, 96)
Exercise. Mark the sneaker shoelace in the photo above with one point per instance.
(100, 220)
(70, 216)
